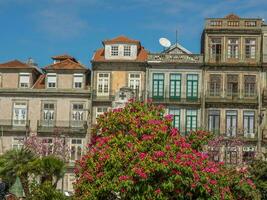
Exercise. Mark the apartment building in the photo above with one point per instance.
(233, 84)
(174, 79)
(118, 74)
(46, 102)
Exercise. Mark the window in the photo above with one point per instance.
(114, 50)
(216, 23)
(192, 86)
(71, 180)
(250, 85)
(232, 85)
(231, 123)
(158, 85)
(101, 111)
(51, 80)
(24, 80)
(1, 79)
(250, 23)
(17, 142)
(77, 80)
(175, 86)
(215, 85)
(75, 149)
(48, 114)
(233, 23)
(191, 120)
(214, 120)
(248, 154)
(231, 155)
(214, 154)
(135, 82)
(78, 113)
(250, 48)
(126, 50)
(103, 84)
(248, 123)
(176, 117)
(216, 49)
(19, 114)
(233, 48)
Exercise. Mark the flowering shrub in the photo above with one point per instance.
(135, 153)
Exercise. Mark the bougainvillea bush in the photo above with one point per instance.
(135, 153)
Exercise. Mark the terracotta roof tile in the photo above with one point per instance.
(99, 56)
(121, 39)
(40, 83)
(15, 64)
(67, 64)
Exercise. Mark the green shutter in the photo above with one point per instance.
(158, 86)
(191, 120)
(176, 117)
(192, 87)
(175, 86)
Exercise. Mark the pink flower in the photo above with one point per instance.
(158, 191)
(142, 156)
(124, 178)
(141, 173)
(159, 154)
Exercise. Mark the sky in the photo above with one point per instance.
(43, 28)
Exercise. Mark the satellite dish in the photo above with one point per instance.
(165, 42)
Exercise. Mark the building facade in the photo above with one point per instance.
(49, 102)
(174, 79)
(118, 74)
(233, 83)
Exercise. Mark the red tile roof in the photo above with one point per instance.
(15, 64)
(40, 82)
(66, 64)
(121, 39)
(63, 57)
(99, 56)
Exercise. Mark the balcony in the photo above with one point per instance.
(175, 58)
(58, 127)
(182, 99)
(15, 126)
(242, 59)
(226, 96)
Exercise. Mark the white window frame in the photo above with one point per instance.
(250, 48)
(79, 79)
(248, 130)
(76, 146)
(127, 52)
(103, 83)
(48, 114)
(17, 142)
(71, 180)
(77, 114)
(20, 119)
(114, 50)
(54, 80)
(134, 80)
(24, 80)
(103, 110)
(233, 48)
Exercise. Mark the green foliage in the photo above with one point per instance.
(46, 191)
(135, 154)
(258, 170)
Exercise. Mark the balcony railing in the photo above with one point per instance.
(221, 23)
(111, 96)
(227, 95)
(14, 125)
(54, 126)
(240, 59)
(183, 98)
(175, 58)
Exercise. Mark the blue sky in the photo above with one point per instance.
(43, 28)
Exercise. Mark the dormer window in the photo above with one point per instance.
(114, 50)
(127, 50)
(24, 80)
(77, 80)
(51, 80)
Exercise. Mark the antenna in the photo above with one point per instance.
(165, 42)
(176, 37)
